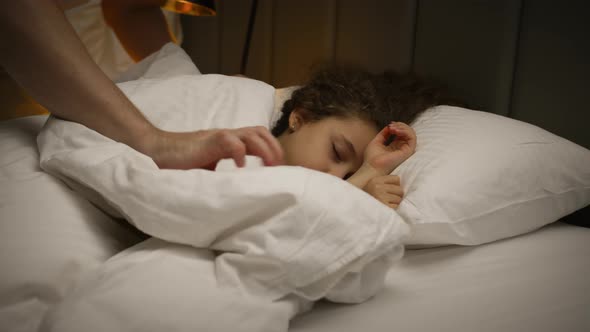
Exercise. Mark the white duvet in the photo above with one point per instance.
(231, 249)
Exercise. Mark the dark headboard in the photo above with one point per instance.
(529, 60)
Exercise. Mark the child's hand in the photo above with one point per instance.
(385, 158)
(386, 189)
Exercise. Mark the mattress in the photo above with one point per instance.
(535, 282)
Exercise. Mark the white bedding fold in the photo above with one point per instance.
(273, 235)
(299, 232)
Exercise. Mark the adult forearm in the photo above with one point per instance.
(138, 24)
(42, 52)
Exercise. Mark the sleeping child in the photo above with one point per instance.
(341, 123)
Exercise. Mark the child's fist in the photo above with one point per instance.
(386, 189)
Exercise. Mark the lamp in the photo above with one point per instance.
(191, 7)
(207, 8)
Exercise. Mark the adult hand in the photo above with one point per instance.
(385, 158)
(203, 149)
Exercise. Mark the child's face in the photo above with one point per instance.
(332, 145)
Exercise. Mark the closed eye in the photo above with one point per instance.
(337, 156)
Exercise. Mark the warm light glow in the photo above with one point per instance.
(15, 101)
(188, 8)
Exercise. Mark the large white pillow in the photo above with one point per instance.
(171, 60)
(478, 177)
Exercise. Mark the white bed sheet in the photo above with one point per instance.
(535, 282)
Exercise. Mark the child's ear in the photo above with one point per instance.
(296, 119)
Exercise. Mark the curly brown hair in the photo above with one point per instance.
(351, 91)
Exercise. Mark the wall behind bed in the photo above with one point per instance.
(529, 60)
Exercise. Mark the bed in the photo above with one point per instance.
(500, 56)
(535, 282)
(497, 55)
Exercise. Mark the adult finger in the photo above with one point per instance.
(273, 143)
(232, 146)
(257, 146)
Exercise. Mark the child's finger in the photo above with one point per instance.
(401, 131)
(399, 124)
(391, 179)
(404, 133)
(392, 199)
(395, 190)
(383, 135)
(398, 132)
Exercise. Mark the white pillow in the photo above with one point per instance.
(478, 177)
(169, 61)
(49, 235)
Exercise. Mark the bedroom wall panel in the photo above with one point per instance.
(469, 45)
(554, 55)
(304, 34)
(261, 47)
(499, 56)
(234, 22)
(290, 36)
(215, 43)
(378, 34)
(202, 41)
